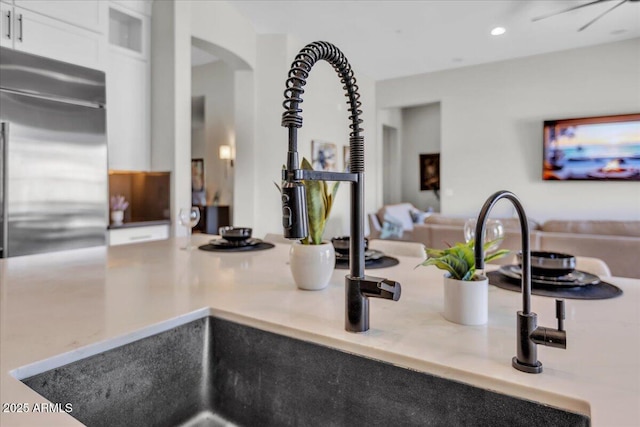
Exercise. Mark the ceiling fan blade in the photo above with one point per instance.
(601, 15)
(567, 10)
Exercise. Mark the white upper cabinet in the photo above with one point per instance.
(113, 36)
(128, 118)
(88, 14)
(128, 31)
(40, 35)
(6, 25)
(128, 90)
(140, 6)
(69, 31)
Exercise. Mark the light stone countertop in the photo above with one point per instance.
(58, 303)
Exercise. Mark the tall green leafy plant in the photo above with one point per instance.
(459, 260)
(320, 198)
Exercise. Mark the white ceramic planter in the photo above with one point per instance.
(117, 217)
(466, 302)
(312, 265)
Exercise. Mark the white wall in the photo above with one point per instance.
(218, 22)
(420, 135)
(215, 81)
(244, 208)
(389, 175)
(270, 152)
(171, 100)
(492, 127)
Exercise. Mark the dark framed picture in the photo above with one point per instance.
(346, 157)
(198, 197)
(324, 156)
(430, 172)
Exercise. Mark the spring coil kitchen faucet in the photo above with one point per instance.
(358, 287)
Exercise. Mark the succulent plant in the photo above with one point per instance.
(459, 260)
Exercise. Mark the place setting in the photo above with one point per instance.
(372, 258)
(554, 274)
(235, 239)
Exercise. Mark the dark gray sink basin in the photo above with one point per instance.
(213, 372)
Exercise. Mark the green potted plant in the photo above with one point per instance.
(118, 206)
(312, 260)
(465, 292)
(320, 198)
(459, 260)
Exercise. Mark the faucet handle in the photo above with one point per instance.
(391, 288)
(560, 314)
(378, 287)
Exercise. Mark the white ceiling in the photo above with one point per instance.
(386, 39)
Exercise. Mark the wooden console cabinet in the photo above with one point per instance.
(212, 218)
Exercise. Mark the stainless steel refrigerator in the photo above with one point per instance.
(53, 148)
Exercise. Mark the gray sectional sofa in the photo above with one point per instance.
(615, 242)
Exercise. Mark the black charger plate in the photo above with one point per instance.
(575, 278)
(382, 262)
(217, 246)
(600, 290)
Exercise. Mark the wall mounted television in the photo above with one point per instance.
(592, 148)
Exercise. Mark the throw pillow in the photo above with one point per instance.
(391, 228)
(401, 213)
(419, 216)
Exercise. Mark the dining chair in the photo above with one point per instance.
(399, 248)
(590, 265)
(593, 265)
(276, 238)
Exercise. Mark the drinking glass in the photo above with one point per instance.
(189, 217)
(493, 231)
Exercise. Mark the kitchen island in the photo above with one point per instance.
(57, 303)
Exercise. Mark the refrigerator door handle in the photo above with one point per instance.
(4, 203)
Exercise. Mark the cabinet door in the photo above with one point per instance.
(140, 6)
(128, 112)
(40, 35)
(124, 236)
(6, 25)
(89, 14)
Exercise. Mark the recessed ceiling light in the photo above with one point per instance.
(618, 32)
(497, 31)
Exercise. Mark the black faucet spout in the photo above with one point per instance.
(358, 288)
(529, 334)
(524, 229)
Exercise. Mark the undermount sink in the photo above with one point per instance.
(214, 372)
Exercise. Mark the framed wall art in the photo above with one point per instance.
(324, 155)
(430, 172)
(198, 197)
(346, 157)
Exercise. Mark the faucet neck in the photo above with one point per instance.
(299, 72)
(526, 250)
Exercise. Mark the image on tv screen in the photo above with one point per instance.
(593, 148)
